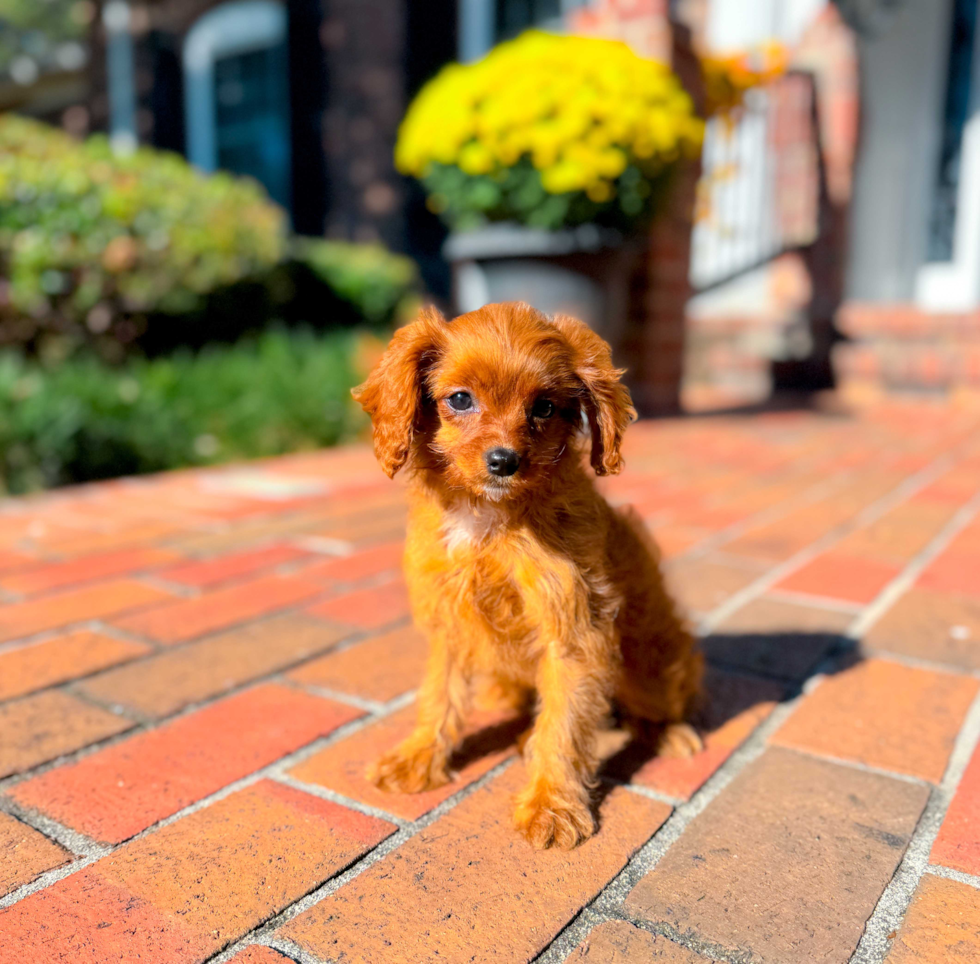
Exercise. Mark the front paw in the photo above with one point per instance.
(409, 769)
(679, 740)
(547, 819)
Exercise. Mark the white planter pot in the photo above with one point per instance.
(585, 272)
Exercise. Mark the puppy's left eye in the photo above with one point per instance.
(543, 408)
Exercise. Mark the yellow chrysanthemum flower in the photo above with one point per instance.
(578, 107)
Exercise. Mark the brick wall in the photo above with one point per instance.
(365, 46)
(654, 343)
(898, 348)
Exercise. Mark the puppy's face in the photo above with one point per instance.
(491, 400)
(506, 403)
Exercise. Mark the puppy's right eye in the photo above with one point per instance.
(460, 401)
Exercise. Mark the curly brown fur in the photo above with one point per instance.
(530, 580)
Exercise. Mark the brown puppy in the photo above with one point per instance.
(519, 571)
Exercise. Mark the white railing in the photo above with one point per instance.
(759, 193)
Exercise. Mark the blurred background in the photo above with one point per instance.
(213, 213)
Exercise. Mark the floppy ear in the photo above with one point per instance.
(607, 400)
(394, 391)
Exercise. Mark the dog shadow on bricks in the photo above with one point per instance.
(746, 676)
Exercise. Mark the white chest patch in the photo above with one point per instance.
(468, 525)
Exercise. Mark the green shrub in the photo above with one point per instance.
(379, 285)
(144, 252)
(94, 241)
(80, 420)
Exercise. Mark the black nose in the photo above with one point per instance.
(502, 462)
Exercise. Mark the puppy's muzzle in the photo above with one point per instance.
(502, 462)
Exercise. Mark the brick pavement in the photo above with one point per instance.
(196, 667)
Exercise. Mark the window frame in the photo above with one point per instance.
(233, 28)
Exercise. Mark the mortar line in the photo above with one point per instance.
(857, 765)
(916, 662)
(123, 635)
(608, 904)
(74, 841)
(50, 878)
(72, 688)
(708, 950)
(266, 931)
(649, 793)
(54, 830)
(817, 602)
(157, 722)
(890, 910)
(745, 563)
(937, 870)
(574, 933)
(178, 590)
(100, 625)
(608, 901)
(870, 513)
(773, 513)
(351, 699)
(904, 580)
(325, 793)
(291, 951)
(20, 642)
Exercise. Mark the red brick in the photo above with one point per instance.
(780, 539)
(701, 585)
(674, 540)
(37, 665)
(884, 715)
(184, 619)
(941, 926)
(930, 625)
(12, 561)
(787, 863)
(76, 543)
(224, 870)
(75, 605)
(776, 637)
(122, 789)
(173, 679)
(367, 608)
(259, 954)
(958, 842)
(839, 575)
(380, 668)
(489, 738)
(84, 920)
(469, 888)
(212, 572)
(367, 528)
(617, 942)
(48, 725)
(954, 491)
(375, 561)
(954, 571)
(900, 534)
(245, 535)
(57, 575)
(25, 854)
(734, 706)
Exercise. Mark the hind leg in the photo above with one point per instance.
(657, 704)
(660, 680)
